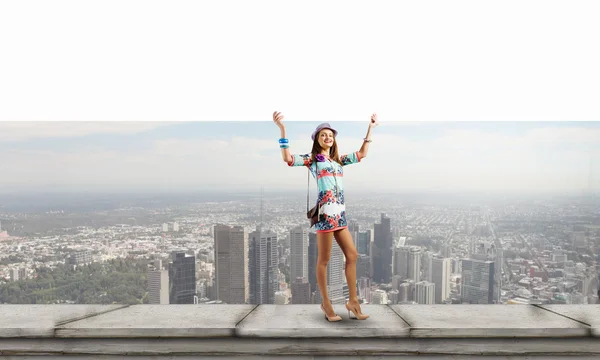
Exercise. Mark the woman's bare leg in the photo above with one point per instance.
(344, 240)
(324, 243)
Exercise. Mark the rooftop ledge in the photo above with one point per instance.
(265, 331)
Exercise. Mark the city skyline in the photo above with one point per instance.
(511, 156)
(535, 251)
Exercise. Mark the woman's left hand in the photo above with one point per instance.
(374, 121)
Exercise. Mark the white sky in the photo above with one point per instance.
(315, 60)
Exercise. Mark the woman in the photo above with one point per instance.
(326, 165)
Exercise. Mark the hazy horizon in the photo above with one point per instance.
(544, 157)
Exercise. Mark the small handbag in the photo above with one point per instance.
(312, 214)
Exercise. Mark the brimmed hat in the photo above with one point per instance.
(321, 127)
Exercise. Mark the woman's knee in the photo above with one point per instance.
(352, 256)
(323, 261)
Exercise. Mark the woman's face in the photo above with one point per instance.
(326, 139)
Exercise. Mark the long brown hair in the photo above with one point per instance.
(333, 152)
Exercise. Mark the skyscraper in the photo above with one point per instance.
(182, 276)
(361, 239)
(477, 281)
(301, 291)
(426, 265)
(364, 241)
(158, 284)
(263, 266)
(424, 292)
(440, 276)
(335, 275)
(400, 260)
(414, 264)
(492, 251)
(231, 264)
(404, 292)
(298, 253)
(382, 251)
(363, 266)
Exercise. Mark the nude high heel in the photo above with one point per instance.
(330, 319)
(357, 314)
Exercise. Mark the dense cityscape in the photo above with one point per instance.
(258, 249)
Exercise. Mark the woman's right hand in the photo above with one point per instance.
(278, 119)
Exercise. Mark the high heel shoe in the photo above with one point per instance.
(357, 314)
(330, 319)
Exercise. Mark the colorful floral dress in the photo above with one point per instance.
(332, 209)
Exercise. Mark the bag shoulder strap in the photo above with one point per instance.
(308, 184)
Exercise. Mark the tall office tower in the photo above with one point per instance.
(298, 253)
(404, 292)
(401, 260)
(426, 265)
(176, 226)
(165, 227)
(158, 284)
(491, 251)
(477, 281)
(363, 287)
(182, 276)
(382, 251)
(396, 281)
(263, 266)
(440, 275)
(414, 264)
(336, 275)
(312, 261)
(456, 266)
(364, 241)
(363, 266)
(301, 291)
(231, 264)
(425, 292)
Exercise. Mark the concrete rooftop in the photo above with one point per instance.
(266, 331)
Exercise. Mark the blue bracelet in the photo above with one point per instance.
(284, 146)
(283, 141)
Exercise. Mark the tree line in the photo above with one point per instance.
(117, 281)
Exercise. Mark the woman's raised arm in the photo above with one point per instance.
(283, 141)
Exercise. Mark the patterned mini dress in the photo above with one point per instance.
(332, 208)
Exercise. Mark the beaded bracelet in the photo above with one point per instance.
(284, 146)
(283, 141)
